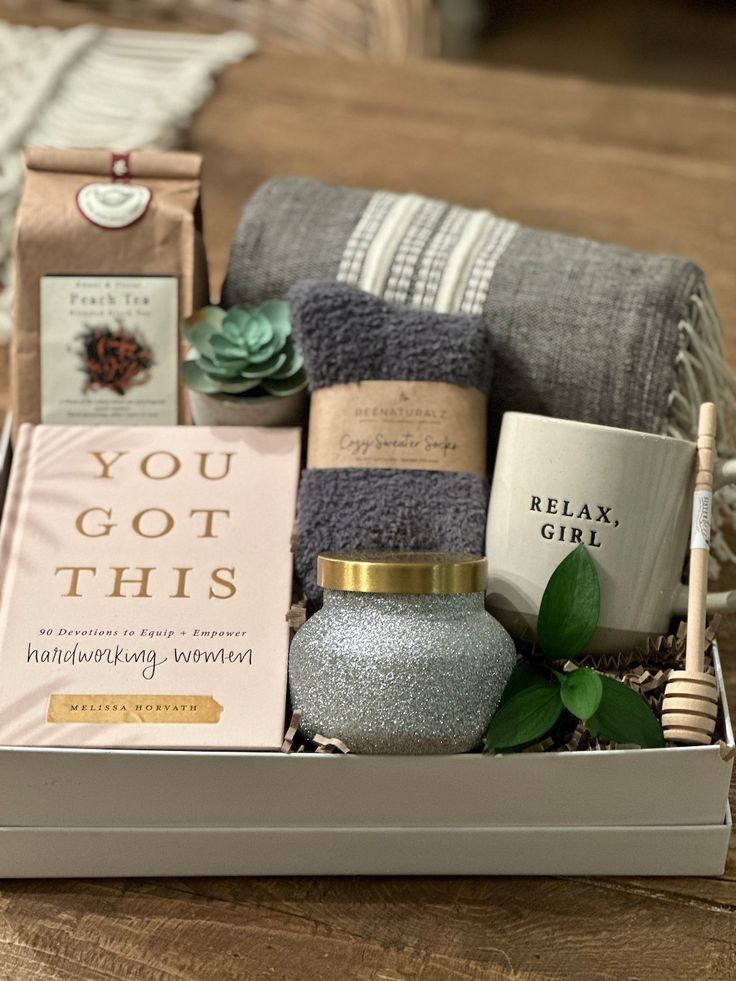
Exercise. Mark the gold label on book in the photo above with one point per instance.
(141, 709)
(404, 425)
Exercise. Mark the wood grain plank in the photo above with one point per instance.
(223, 929)
(125, 930)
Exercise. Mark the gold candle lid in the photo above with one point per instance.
(402, 572)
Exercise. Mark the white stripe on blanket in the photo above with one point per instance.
(434, 260)
(353, 258)
(410, 251)
(383, 248)
(424, 253)
(460, 261)
(479, 280)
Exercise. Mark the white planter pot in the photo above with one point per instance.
(267, 410)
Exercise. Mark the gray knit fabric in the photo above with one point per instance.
(580, 330)
(287, 233)
(347, 336)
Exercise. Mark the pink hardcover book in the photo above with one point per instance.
(146, 578)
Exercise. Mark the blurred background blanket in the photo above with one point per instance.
(580, 329)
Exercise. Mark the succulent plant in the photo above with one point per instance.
(243, 349)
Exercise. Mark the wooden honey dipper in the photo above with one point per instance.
(690, 702)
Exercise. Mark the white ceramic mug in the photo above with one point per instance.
(626, 495)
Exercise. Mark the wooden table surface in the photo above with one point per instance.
(650, 169)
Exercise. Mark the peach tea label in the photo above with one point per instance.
(109, 349)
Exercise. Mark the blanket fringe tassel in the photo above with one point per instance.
(703, 375)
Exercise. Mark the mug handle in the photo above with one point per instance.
(723, 601)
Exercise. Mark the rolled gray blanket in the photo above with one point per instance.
(349, 336)
(580, 330)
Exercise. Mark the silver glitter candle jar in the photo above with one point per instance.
(402, 657)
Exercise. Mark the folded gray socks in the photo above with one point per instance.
(348, 335)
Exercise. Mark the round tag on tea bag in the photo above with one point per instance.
(113, 205)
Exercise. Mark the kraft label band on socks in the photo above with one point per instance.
(400, 425)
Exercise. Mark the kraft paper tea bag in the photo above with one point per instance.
(110, 258)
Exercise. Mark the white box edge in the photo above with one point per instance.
(107, 852)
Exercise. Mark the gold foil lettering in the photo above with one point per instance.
(181, 584)
(106, 528)
(146, 461)
(138, 518)
(141, 581)
(218, 580)
(75, 571)
(106, 464)
(210, 512)
(203, 457)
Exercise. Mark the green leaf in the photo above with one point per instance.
(263, 353)
(286, 386)
(581, 692)
(225, 349)
(193, 376)
(277, 312)
(227, 370)
(265, 370)
(294, 361)
(209, 315)
(570, 606)
(199, 337)
(523, 676)
(593, 726)
(259, 333)
(237, 386)
(525, 717)
(233, 331)
(624, 717)
(235, 323)
(201, 326)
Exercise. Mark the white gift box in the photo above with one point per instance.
(67, 812)
(76, 812)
